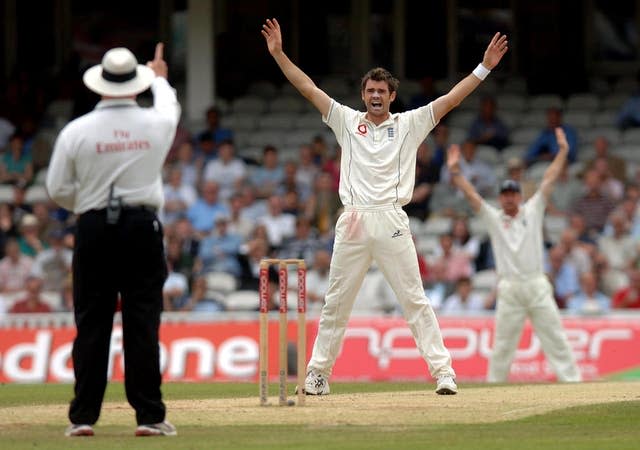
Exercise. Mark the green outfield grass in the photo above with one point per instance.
(598, 427)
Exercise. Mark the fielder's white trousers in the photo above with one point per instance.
(532, 298)
(380, 234)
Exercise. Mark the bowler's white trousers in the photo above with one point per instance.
(381, 234)
(532, 298)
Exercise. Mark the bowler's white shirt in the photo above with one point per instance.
(517, 242)
(378, 163)
(117, 143)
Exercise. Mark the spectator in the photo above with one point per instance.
(332, 166)
(29, 240)
(227, 170)
(426, 95)
(456, 262)
(182, 246)
(620, 248)
(279, 225)
(267, 177)
(320, 150)
(579, 254)
(323, 205)
(201, 299)
(427, 174)
(437, 287)
(629, 115)
(7, 129)
(610, 186)
(252, 207)
(463, 240)
(545, 147)
(480, 174)
(589, 300)
(578, 224)
(7, 227)
(188, 164)
(251, 253)
(206, 209)
(238, 223)
(178, 196)
(617, 165)
(18, 205)
(609, 281)
(562, 274)
(53, 265)
(594, 205)
(304, 244)
(16, 166)
(628, 297)
(307, 169)
(175, 292)
(15, 268)
(464, 299)
(441, 143)
(290, 182)
(219, 251)
(318, 279)
(32, 301)
(567, 190)
(488, 128)
(214, 132)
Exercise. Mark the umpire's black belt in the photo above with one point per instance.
(132, 208)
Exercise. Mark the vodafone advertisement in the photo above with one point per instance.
(373, 349)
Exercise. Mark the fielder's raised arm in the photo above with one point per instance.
(458, 179)
(492, 56)
(553, 171)
(299, 79)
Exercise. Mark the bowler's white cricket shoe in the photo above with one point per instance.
(316, 384)
(446, 385)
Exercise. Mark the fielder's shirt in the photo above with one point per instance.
(117, 143)
(517, 241)
(378, 163)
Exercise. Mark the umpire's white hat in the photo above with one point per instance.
(119, 75)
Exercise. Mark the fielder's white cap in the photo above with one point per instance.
(119, 75)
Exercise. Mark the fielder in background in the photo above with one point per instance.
(524, 291)
(377, 177)
(106, 167)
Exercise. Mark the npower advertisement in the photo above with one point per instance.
(373, 349)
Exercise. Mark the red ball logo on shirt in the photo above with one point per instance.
(362, 129)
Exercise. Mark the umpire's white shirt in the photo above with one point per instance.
(117, 143)
(517, 242)
(378, 163)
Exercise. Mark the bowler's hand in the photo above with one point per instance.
(159, 65)
(273, 36)
(561, 138)
(495, 51)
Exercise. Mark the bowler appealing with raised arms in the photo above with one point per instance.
(377, 175)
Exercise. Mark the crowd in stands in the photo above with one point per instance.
(225, 210)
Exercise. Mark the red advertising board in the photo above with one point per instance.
(373, 349)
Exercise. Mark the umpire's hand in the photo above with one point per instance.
(159, 65)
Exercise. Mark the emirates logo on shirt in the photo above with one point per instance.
(362, 129)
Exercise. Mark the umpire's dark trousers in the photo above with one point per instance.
(128, 258)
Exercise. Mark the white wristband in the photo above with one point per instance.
(481, 71)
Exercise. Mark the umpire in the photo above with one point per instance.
(106, 168)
